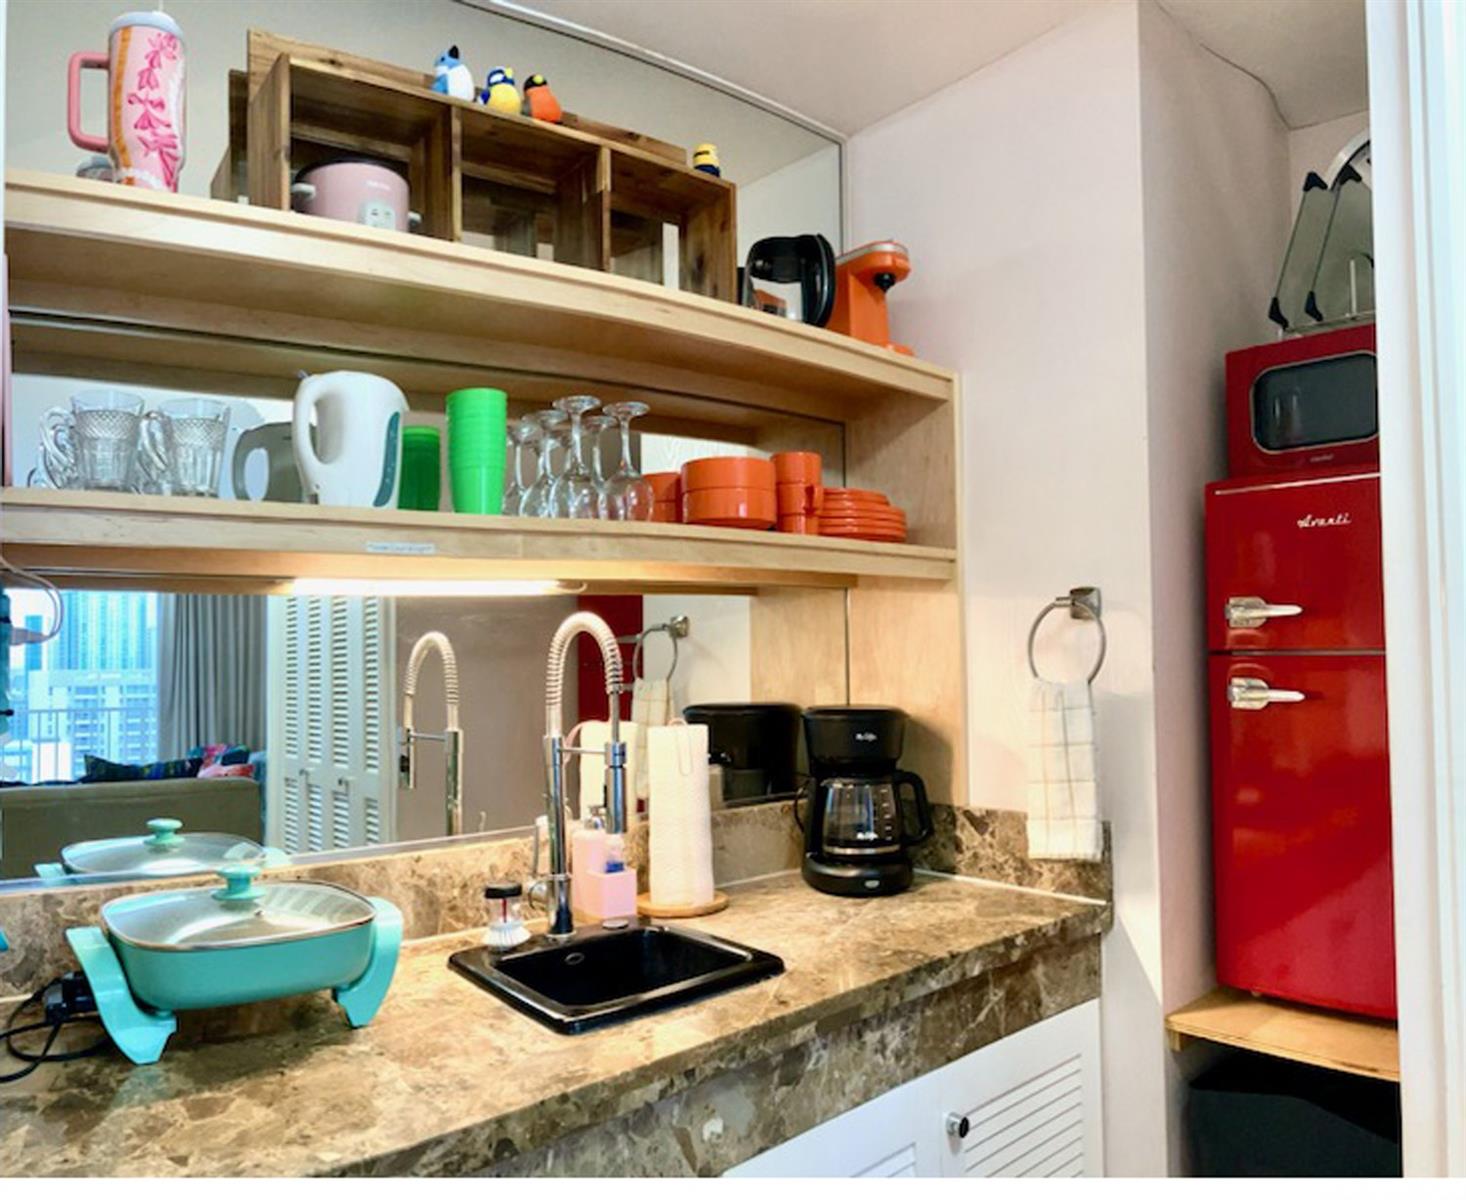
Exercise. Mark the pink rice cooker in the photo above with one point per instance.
(365, 191)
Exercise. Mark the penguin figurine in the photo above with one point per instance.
(541, 101)
(452, 77)
(705, 159)
(499, 92)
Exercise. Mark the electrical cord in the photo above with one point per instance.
(64, 1008)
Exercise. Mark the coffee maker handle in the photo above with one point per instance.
(923, 809)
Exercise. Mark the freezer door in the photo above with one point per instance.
(1294, 564)
(1301, 829)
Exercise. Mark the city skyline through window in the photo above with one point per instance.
(93, 689)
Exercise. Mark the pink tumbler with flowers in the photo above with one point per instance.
(145, 100)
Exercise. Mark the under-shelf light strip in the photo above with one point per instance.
(310, 586)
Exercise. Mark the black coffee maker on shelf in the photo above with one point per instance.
(859, 824)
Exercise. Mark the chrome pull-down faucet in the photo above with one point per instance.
(556, 885)
(452, 735)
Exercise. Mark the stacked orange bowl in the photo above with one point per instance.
(737, 493)
(857, 513)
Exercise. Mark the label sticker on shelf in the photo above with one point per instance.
(419, 548)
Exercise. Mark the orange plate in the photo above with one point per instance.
(857, 494)
(703, 474)
(741, 508)
(865, 537)
(855, 506)
(798, 466)
(884, 522)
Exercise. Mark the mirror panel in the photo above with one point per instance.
(125, 664)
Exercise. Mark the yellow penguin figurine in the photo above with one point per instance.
(500, 94)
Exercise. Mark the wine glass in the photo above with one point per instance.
(537, 497)
(629, 497)
(593, 426)
(524, 433)
(575, 495)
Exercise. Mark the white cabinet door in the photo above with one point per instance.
(882, 1139)
(1031, 1102)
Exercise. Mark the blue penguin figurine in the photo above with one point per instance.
(452, 77)
(499, 92)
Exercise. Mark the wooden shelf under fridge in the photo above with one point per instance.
(1335, 1040)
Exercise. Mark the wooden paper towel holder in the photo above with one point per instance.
(646, 908)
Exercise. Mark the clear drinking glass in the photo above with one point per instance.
(538, 496)
(593, 427)
(93, 444)
(183, 444)
(576, 496)
(523, 434)
(629, 497)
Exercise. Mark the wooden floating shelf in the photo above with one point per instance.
(155, 288)
(178, 543)
(1338, 1041)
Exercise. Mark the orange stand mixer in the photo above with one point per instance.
(862, 278)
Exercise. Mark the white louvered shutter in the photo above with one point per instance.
(331, 710)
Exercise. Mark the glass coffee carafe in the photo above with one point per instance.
(869, 817)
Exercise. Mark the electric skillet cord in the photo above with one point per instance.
(33, 1059)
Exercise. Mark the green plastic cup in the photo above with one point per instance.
(477, 441)
(422, 469)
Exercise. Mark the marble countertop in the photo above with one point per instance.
(449, 1079)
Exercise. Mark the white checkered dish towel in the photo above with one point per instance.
(1063, 807)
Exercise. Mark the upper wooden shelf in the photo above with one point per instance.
(143, 286)
(175, 543)
(1338, 1041)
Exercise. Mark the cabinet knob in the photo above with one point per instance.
(958, 1126)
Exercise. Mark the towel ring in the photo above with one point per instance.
(1083, 605)
(676, 629)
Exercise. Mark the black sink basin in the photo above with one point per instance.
(597, 976)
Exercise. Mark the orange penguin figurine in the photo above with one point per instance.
(541, 102)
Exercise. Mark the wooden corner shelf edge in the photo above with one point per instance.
(1334, 1040)
(135, 539)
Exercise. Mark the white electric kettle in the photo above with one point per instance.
(356, 456)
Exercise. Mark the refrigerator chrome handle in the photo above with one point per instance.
(1251, 694)
(1252, 612)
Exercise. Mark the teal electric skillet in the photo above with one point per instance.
(158, 953)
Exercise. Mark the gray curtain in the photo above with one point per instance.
(211, 672)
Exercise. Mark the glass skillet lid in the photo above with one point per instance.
(163, 852)
(242, 913)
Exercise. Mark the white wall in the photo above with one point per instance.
(588, 79)
(1313, 148)
(793, 199)
(1073, 213)
(1214, 163)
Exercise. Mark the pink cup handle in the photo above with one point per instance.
(80, 61)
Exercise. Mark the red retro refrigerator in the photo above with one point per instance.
(1300, 767)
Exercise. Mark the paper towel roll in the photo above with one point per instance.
(681, 824)
(593, 735)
